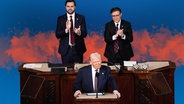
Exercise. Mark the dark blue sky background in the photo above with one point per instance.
(41, 16)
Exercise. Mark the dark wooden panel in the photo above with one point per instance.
(133, 86)
(125, 84)
(96, 101)
(67, 92)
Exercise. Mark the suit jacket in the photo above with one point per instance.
(64, 37)
(125, 48)
(84, 81)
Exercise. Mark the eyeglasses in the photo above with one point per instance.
(116, 15)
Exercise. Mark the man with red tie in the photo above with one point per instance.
(87, 82)
(118, 37)
(71, 31)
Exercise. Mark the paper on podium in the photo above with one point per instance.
(38, 66)
(115, 67)
(94, 94)
(129, 63)
(105, 96)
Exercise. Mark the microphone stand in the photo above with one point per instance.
(97, 93)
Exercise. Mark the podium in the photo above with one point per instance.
(28, 96)
(107, 98)
(136, 87)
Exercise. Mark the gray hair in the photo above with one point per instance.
(95, 54)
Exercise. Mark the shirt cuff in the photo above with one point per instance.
(66, 30)
(115, 91)
(123, 36)
(114, 37)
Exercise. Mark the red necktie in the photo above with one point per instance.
(116, 46)
(72, 37)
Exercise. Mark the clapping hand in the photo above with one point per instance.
(78, 30)
(120, 32)
(68, 24)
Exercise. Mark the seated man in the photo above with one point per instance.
(86, 80)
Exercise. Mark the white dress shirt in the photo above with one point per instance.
(68, 18)
(123, 36)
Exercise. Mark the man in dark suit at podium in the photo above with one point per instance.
(118, 37)
(86, 78)
(71, 31)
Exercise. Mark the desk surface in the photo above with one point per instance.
(105, 96)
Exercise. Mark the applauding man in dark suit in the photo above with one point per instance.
(118, 37)
(71, 31)
(85, 81)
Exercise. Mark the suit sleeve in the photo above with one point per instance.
(78, 81)
(128, 32)
(83, 28)
(111, 80)
(60, 28)
(107, 34)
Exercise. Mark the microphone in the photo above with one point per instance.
(97, 74)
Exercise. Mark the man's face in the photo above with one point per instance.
(116, 16)
(70, 7)
(96, 62)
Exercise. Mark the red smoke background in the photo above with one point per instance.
(42, 47)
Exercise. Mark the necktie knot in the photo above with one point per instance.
(117, 27)
(71, 20)
(97, 73)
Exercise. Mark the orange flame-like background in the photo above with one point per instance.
(162, 45)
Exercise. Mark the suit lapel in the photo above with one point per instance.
(101, 77)
(65, 17)
(122, 24)
(113, 26)
(76, 20)
(89, 73)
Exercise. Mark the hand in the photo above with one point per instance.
(78, 31)
(68, 24)
(114, 37)
(77, 93)
(117, 93)
(120, 32)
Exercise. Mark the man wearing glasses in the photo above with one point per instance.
(118, 37)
